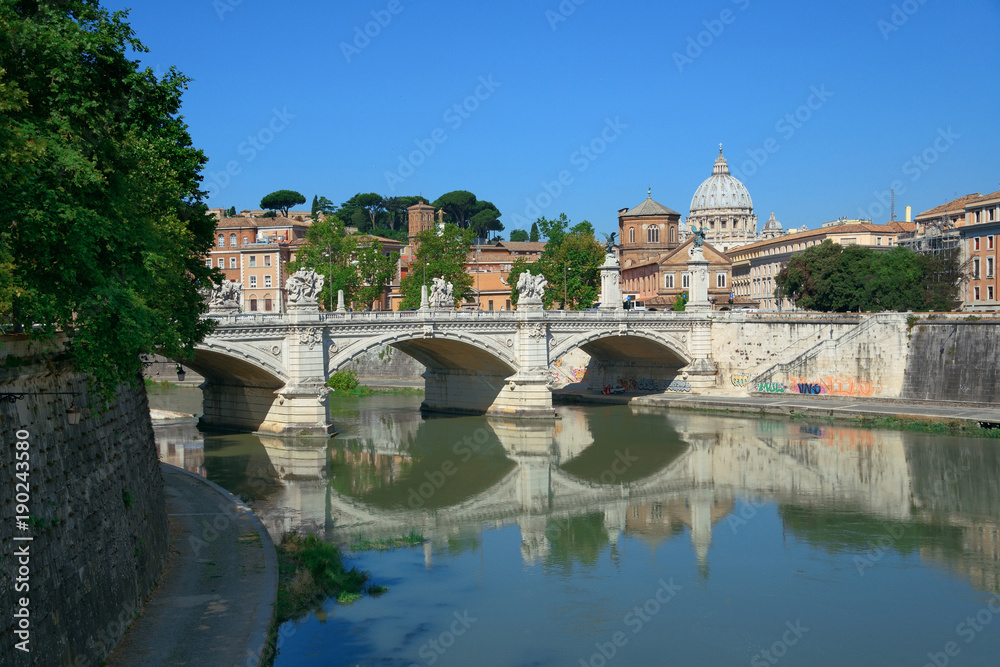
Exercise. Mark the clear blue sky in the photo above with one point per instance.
(650, 88)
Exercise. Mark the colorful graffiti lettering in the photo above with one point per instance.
(741, 381)
(579, 374)
(835, 386)
(646, 384)
(771, 388)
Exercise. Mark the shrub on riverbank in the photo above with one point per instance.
(362, 391)
(388, 544)
(343, 380)
(310, 571)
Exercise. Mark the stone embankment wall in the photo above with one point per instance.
(98, 519)
(387, 363)
(745, 346)
(895, 356)
(953, 360)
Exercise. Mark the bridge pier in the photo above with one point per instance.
(702, 372)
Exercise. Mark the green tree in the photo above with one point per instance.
(439, 255)
(570, 263)
(321, 205)
(231, 213)
(460, 205)
(282, 200)
(534, 236)
(328, 250)
(103, 228)
(517, 235)
(375, 269)
(834, 278)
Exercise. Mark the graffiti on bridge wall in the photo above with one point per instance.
(646, 384)
(741, 381)
(840, 385)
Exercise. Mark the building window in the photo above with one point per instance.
(267, 260)
(267, 303)
(253, 283)
(975, 268)
(491, 305)
(222, 241)
(208, 262)
(685, 280)
(652, 234)
(253, 304)
(253, 260)
(267, 281)
(989, 267)
(991, 214)
(975, 243)
(245, 240)
(232, 240)
(720, 279)
(878, 240)
(989, 292)
(989, 243)
(222, 263)
(232, 262)
(508, 304)
(668, 281)
(979, 217)
(673, 235)
(631, 234)
(975, 293)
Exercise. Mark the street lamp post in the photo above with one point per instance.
(329, 254)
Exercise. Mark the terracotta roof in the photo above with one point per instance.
(383, 240)
(244, 222)
(903, 227)
(523, 246)
(985, 198)
(823, 231)
(649, 208)
(953, 206)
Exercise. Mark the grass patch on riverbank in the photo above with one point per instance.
(952, 427)
(310, 571)
(387, 544)
(362, 391)
(153, 384)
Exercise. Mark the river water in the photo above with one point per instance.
(619, 535)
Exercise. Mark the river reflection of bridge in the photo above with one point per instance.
(576, 485)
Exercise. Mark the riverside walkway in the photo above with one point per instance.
(214, 602)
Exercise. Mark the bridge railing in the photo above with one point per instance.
(235, 319)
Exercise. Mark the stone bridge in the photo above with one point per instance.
(267, 372)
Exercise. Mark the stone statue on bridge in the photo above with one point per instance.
(442, 294)
(303, 288)
(225, 296)
(531, 288)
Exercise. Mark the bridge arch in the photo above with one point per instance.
(466, 374)
(644, 346)
(438, 351)
(240, 387)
